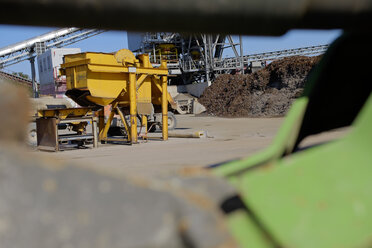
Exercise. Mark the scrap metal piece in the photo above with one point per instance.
(47, 134)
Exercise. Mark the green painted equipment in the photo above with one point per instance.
(320, 196)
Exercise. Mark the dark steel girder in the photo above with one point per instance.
(260, 17)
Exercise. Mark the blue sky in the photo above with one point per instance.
(114, 40)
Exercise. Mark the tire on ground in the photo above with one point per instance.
(31, 134)
(172, 121)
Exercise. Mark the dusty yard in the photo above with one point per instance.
(229, 138)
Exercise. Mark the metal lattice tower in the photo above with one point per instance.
(198, 57)
(192, 56)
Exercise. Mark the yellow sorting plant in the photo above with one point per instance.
(129, 83)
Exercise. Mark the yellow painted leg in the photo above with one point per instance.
(103, 132)
(124, 123)
(101, 119)
(164, 107)
(133, 107)
(144, 124)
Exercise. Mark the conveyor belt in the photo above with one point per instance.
(24, 50)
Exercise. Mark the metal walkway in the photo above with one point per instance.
(234, 63)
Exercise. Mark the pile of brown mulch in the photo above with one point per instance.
(268, 92)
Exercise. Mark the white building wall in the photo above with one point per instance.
(45, 69)
(57, 57)
(49, 64)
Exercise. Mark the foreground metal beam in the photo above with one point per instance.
(268, 17)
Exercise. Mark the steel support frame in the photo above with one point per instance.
(164, 103)
(131, 128)
(48, 137)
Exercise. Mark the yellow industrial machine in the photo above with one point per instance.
(127, 83)
(56, 124)
(166, 52)
(76, 120)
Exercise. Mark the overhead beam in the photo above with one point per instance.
(260, 17)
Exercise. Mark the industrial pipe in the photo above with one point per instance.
(198, 134)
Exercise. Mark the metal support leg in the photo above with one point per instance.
(103, 132)
(101, 119)
(133, 106)
(206, 61)
(124, 123)
(144, 124)
(164, 107)
(33, 77)
(94, 131)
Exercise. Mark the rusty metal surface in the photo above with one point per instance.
(49, 138)
(47, 133)
(48, 204)
(65, 112)
(270, 17)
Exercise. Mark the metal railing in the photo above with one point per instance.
(236, 62)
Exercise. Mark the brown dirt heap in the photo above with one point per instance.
(268, 92)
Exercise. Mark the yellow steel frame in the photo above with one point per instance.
(121, 80)
(64, 113)
(103, 132)
(133, 107)
(104, 127)
(164, 103)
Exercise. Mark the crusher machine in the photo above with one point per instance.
(130, 84)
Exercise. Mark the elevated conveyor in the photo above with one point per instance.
(26, 49)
